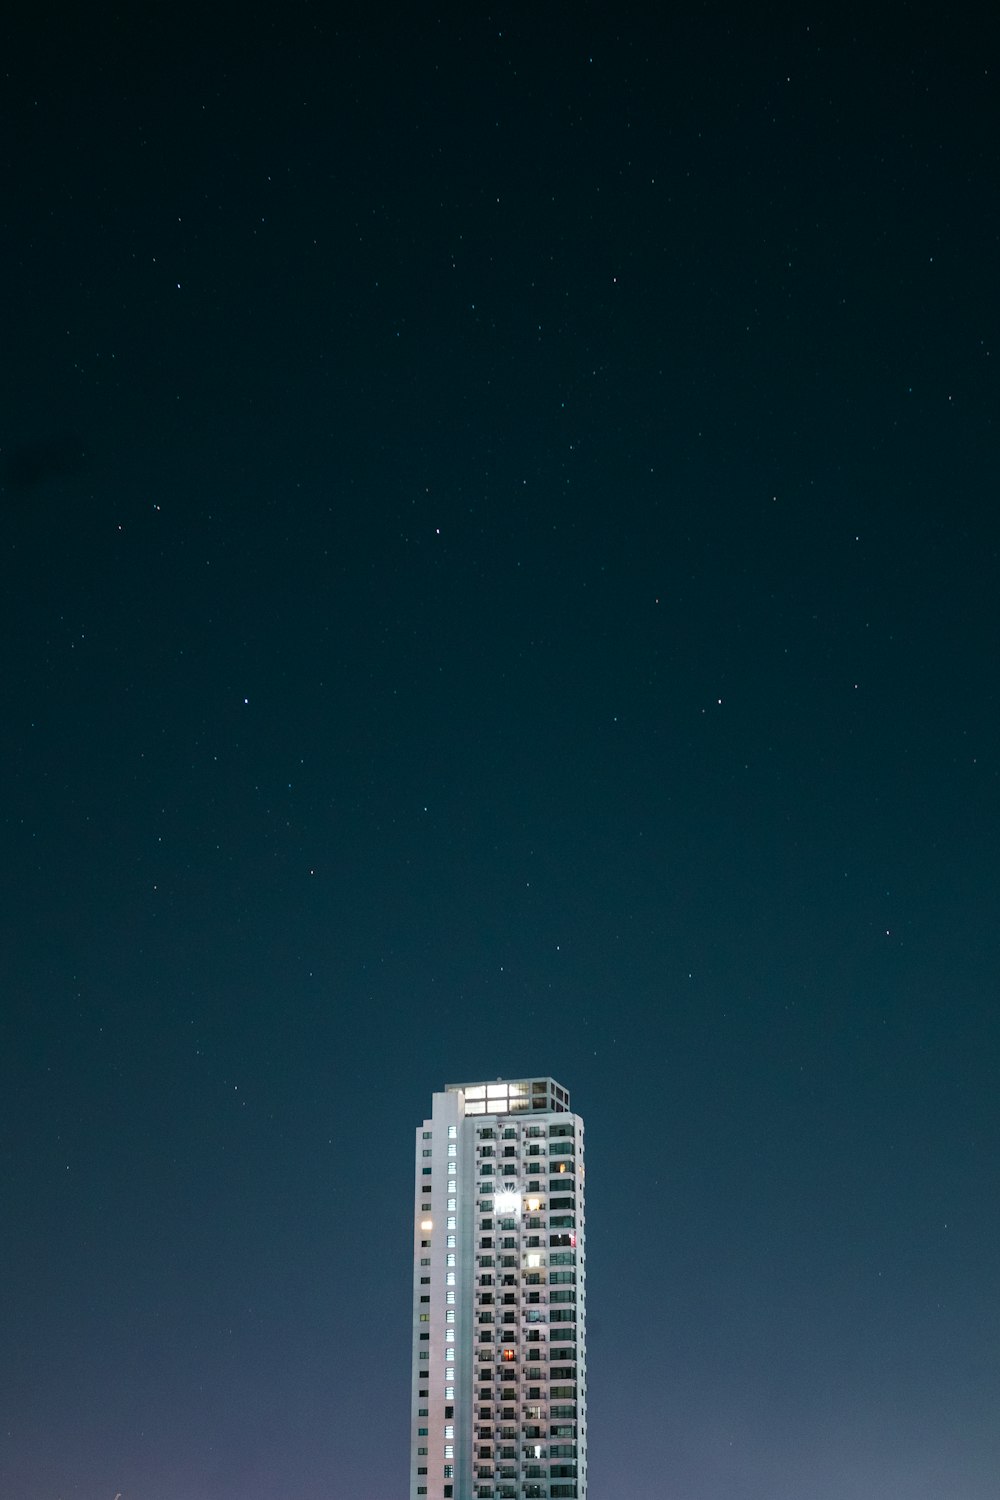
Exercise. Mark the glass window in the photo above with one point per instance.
(452, 1132)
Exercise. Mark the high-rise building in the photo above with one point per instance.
(499, 1399)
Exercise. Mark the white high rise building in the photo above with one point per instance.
(499, 1397)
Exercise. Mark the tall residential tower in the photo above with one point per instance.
(499, 1402)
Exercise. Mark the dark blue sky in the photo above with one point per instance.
(500, 577)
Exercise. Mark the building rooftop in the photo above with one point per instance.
(503, 1096)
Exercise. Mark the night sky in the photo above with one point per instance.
(500, 536)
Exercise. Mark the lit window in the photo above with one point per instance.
(449, 1356)
(449, 1316)
(451, 1296)
(478, 1092)
(452, 1224)
(449, 1450)
(449, 1431)
(452, 1168)
(425, 1317)
(452, 1150)
(452, 1205)
(450, 1260)
(449, 1393)
(449, 1335)
(452, 1132)
(426, 1225)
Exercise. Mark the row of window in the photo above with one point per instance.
(506, 1169)
(534, 1393)
(502, 1467)
(450, 1225)
(530, 1242)
(529, 1313)
(529, 1132)
(511, 1491)
(531, 1413)
(528, 1431)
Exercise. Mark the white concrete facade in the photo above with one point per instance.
(499, 1374)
